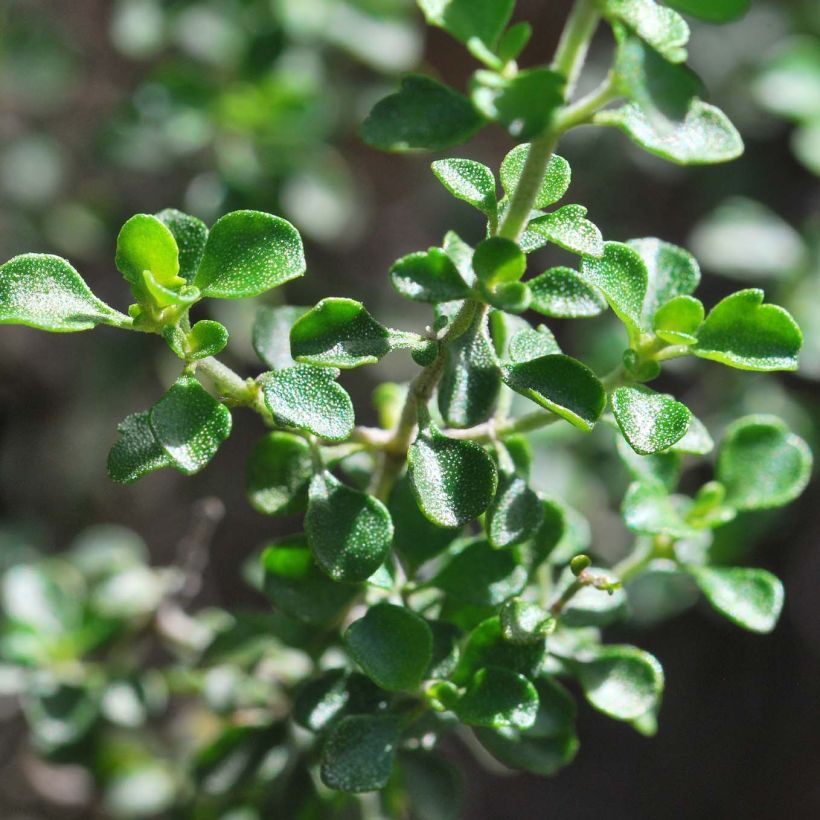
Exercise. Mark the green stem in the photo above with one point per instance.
(574, 43)
(585, 109)
(228, 383)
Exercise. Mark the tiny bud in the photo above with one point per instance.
(578, 564)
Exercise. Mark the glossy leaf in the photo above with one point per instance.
(762, 463)
(322, 700)
(136, 451)
(516, 513)
(621, 275)
(498, 698)
(531, 344)
(349, 531)
(651, 422)
(660, 27)
(309, 398)
(562, 385)
(713, 11)
(621, 681)
(497, 260)
(568, 228)
(145, 243)
(271, 334)
(751, 598)
(647, 508)
(358, 753)
(428, 276)
(556, 180)
(190, 234)
(454, 481)
(278, 472)
(46, 292)
(468, 181)
(189, 424)
(523, 622)
(677, 322)
(422, 115)
(247, 253)
(466, 19)
(563, 294)
(392, 645)
(742, 332)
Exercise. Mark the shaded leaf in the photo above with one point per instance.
(466, 19)
(278, 472)
(498, 698)
(515, 514)
(556, 180)
(563, 294)
(271, 334)
(713, 11)
(523, 622)
(660, 27)
(647, 508)
(429, 276)
(358, 753)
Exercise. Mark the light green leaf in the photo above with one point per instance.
(789, 83)
(392, 645)
(429, 276)
(697, 441)
(662, 467)
(498, 261)
(309, 398)
(562, 385)
(671, 272)
(647, 508)
(145, 243)
(515, 514)
(247, 253)
(348, 531)
(751, 598)
(359, 752)
(531, 344)
(563, 294)
(136, 452)
(524, 104)
(513, 42)
(713, 11)
(46, 292)
(556, 180)
(469, 181)
(523, 622)
(466, 19)
(454, 481)
(190, 234)
(498, 698)
(742, 332)
(422, 115)
(566, 228)
(271, 334)
(762, 463)
(623, 682)
(650, 421)
(189, 424)
(277, 475)
(677, 322)
(206, 338)
(663, 29)
(621, 275)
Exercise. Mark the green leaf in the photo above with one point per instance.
(516, 513)
(468, 19)
(349, 531)
(556, 180)
(742, 332)
(663, 29)
(650, 421)
(434, 786)
(47, 293)
(621, 681)
(562, 385)
(531, 344)
(206, 338)
(454, 481)
(590, 606)
(563, 294)
(524, 104)
(621, 275)
(358, 753)
(247, 253)
(471, 380)
(697, 441)
(662, 467)
(321, 701)
(309, 398)
(136, 451)
(523, 622)
(146, 244)
(480, 574)
(677, 322)
(278, 472)
(713, 11)
(271, 334)
(190, 234)
(497, 260)
(671, 271)
(296, 585)
(422, 115)
(498, 698)
(751, 598)
(429, 276)
(393, 646)
(762, 463)
(468, 181)
(647, 508)
(189, 424)
(566, 228)
(511, 297)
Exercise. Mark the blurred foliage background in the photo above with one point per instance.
(111, 108)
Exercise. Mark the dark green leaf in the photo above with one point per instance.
(271, 334)
(511, 297)
(469, 181)
(751, 598)
(247, 253)
(556, 180)
(136, 451)
(742, 332)
(663, 29)
(677, 322)
(762, 463)
(562, 385)
(567, 228)
(321, 701)
(429, 276)
(446, 652)
(422, 115)
(523, 622)
(647, 508)
(278, 472)
(434, 785)
(190, 234)
(309, 398)
(47, 293)
(498, 698)
(466, 19)
(531, 344)
(650, 421)
(189, 424)
(563, 294)
(515, 514)
(349, 531)
(358, 754)
(713, 11)
(393, 646)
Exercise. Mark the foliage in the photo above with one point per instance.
(432, 589)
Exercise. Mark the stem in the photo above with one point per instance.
(583, 111)
(574, 43)
(567, 595)
(228, 382)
